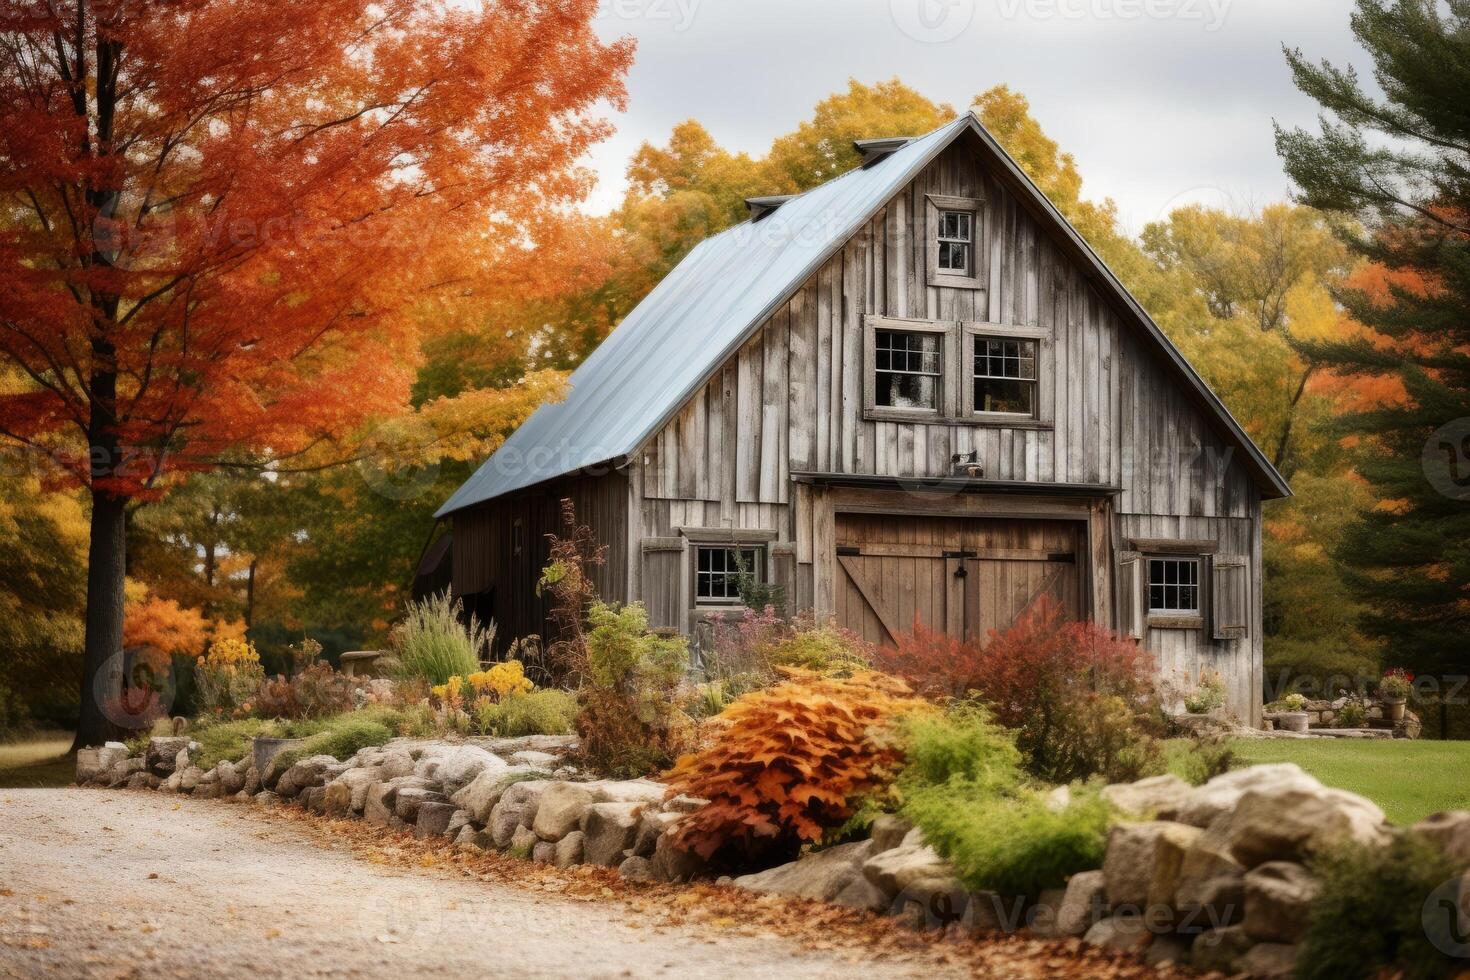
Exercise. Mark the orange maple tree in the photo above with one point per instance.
(791, 762)
(219, 215)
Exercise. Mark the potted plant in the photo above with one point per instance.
(1207, 697)
(1352, 715)
(1394, 689)
(1288, 713)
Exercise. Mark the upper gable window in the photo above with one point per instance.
(954, 226)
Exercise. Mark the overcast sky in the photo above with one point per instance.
(1161, 101)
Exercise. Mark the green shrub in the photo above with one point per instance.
(227, 740)
(1013, 845)
(959, 745)
(1369, 916)
(433, 643)
(629, 722)
(825, 648)
(342, 736)
(546, 712)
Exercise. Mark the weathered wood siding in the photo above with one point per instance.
(485, 557)
(1110, 413)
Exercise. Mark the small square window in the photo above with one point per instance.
(906, 369)
(956, 241)
(1173, 586)
(718, 568)
(1005, 376)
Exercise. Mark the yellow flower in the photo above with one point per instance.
(232, 653)
(502, 680)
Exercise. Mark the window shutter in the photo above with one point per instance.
(1230, 599)
(662, 581)
(1130, 590)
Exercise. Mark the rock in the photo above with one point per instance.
(208, 788)
(95, 761)
(1165, 949)
(821, 875)
(433, 818)
(457, 820)
(522, 843)
(252, 782)
(1217, 901)
(1204, 803)
(544, 852)
(1288, 824)
(396, 763)
(670, 863)
(1084, 903)
(162, 754)
(314, 798)
(120, 772)
(411, 798)
(466, 837)
(931, 903)
(860, 893)
(643, 791)
(637, 869)
(347, 794)
(533, 759)
(609, 829)
(266, 798)
(189, 779)
(1157, 797)
(231, 777)
(378, 804)
(560, 809)
(481, 794)
(1143, 861)
(143, 780)
(1218, 949)
(1450, 832)
(457, 766)
(517, 806)
(684, 803)
(569, 850)
(1058, 799)
(896, 869)
(652, 825)
(306, 773)
(1278, 900)
(888, 831)
(1044, 916)
(1268, 960)
(1125, 932)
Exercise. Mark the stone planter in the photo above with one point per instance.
(1290, 721)
(1393, 708)
(263, 750)
(361, 663)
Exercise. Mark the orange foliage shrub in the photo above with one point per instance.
(791, 762)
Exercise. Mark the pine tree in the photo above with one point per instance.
(1395, 170)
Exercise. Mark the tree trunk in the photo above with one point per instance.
(102, 671)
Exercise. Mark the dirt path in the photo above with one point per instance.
(114, 884)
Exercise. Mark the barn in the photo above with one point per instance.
(913, 392)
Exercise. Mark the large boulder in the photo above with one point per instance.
(652, 825)
(1143, 862)
(1268, 961)
(1204, 803)
(231, 777)
(1219, 948)
(570, 850)
(821, 875)
(609, 830)
(433, 819)
(1278, 901)
(92, 762)
(347, 794)
(560, 809)
(894, 870)
(162, 754)
(411, 799)
(1157, 797)
(860, 893)
(644, 791)
(480, 794)
(517, 807)
(1290, 824)
(1450, 832)
(672, 863)
(457, 765)
(1084, 904)
(308, 772)
(1126, 932)
(888, 831)
(396, 762)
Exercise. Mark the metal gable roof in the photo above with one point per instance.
(710, 303)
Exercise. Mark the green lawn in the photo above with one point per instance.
(38, 761)
(1410, 780)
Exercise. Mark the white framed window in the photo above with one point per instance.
(956, 240)
(955, 228)
(1174, 587)
(717, 571)
(1003, 375)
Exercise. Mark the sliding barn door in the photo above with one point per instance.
(963, 576)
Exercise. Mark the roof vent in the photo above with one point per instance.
(762, 206)
(874, 150)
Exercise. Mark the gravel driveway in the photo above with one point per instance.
(113, 884)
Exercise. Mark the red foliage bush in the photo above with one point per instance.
(1069, 689)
